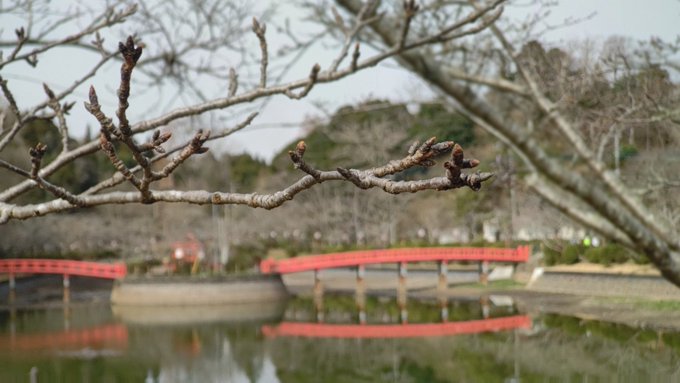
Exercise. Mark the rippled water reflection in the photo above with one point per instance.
(454, 341)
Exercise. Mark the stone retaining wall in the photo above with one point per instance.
(184, 291)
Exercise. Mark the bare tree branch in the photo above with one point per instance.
(351, 35)
(124, 132)
(37, 152)
(107, 19)
(364, 179)
(570, 206)
(118, 177)
(245, 97)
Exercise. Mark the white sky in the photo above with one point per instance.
(278, 123)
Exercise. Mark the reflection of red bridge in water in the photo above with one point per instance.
(110, 336)
(325, 330)
(402, 256)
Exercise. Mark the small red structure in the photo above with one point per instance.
(189, 252)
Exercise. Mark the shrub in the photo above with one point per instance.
(592, 254)
(550, 256)
(608, 254)
(244, 257)
(639, 259)
(627, 151)
(571, 254)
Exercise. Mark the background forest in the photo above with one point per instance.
(342, 217)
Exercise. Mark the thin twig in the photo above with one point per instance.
(410, 10)
(19, 122)
(350, 35)
(118, 178)
(233, 82)
(313, 75)
(260, 30)
(112, 18)
(59, 112)
(37, 152)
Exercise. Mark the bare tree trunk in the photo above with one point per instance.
(598, 192)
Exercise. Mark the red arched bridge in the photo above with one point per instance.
(401, 256)
(325, 330)
(63, 267)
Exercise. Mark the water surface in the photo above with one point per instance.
(426, 341)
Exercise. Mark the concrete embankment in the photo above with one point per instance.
(605, 285)
(634, 296)
(178, 291)
(264, 312)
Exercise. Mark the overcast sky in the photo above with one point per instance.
(278, 123)
(634, 18)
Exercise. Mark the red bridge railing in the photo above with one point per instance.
(364, 257)
(325, 330)
(63, 267)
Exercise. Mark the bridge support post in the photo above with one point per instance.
(403, 315)
(486, 309)
(12, 324)
(361, 294)
(361, 272)
(444, 309)
(442, 285)
(401, 292)
(12, 289)
(318, 285)
(362, 316)
(403, 270)
(318, 296)
(318, 307)
(67, 317)
(484, 272)
(443, 282)
(33, 374)
(67, 289)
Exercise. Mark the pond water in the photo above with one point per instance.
(426, 341)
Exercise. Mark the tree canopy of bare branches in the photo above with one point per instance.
(140, 153)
